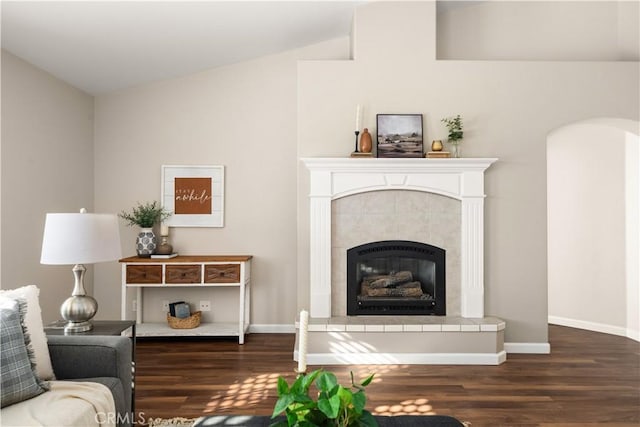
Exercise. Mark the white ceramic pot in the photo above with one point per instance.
(146, 242)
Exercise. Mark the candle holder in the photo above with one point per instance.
(164, 248)
(357, 133)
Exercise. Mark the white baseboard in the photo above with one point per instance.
(272, 329)
(404, 358)
(527, 347)
(595, 327)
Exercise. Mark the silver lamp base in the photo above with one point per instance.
(79, 308)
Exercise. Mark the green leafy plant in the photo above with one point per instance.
(145, 215)
(335, 405)
(454, 126)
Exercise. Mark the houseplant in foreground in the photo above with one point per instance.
(335, 405)
(145, 216)
(454, 126)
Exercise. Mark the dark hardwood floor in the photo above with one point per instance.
(588, 379)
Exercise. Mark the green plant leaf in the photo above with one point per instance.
(316, 417)
(301, 398)
(292, 419)
(326, 381)
(359, 400)
(283, 387)
(367, 380)
(367, 420)
(309, 379)
(296, 387)
(345, 395)
(330, 407)
(282, 403)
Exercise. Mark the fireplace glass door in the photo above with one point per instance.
(396, 278)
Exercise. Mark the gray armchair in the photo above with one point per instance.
(103, 359)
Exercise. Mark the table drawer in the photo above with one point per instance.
(144, 274)
(183, 274)
(222, 273)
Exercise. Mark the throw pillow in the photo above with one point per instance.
(35, 329)
(18, 381)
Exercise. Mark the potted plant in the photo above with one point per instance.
(334, 404)
(454, 126)
(145, 216)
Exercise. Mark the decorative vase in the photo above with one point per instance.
(436, 145)
(365, 141)
(456, 149)
(164, 248)
(145, 243)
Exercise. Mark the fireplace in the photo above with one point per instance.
(353, 202)
(335, 178)
(396, 277)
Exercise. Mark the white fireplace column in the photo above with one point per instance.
(462, 179)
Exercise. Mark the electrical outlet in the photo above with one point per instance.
(165, 305)
(205, 305)
(134, 305)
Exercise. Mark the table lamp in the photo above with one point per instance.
(77, 239)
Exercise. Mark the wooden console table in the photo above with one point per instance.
(194, 271)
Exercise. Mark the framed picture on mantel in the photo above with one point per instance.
(400, 135)
(194, 195)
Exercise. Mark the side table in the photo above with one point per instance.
(106, 327)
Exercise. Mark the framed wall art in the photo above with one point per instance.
(194, 195)
(400, 135)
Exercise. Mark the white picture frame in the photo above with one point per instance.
(194, 195)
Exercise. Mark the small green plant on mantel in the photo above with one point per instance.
(145, 215)
(335, 405)
(454, 126)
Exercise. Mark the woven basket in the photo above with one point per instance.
(190, 322)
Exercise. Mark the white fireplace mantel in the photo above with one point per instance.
(462, 179)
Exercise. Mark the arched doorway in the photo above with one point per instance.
(593, 193)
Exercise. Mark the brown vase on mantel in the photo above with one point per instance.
(365, 141)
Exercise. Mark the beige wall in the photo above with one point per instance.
(508, 107)
(47, 166)
(632, 224)
(541, 30)
(243, 117)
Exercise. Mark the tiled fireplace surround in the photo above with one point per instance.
(434, 201)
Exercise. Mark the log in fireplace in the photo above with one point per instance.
(396, 277)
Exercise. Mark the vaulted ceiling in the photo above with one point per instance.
(102, 46)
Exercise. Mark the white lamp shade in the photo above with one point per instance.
(80, 238)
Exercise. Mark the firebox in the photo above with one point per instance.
(396, 277)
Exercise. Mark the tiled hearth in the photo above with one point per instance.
(444, 199)
(406, 339)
